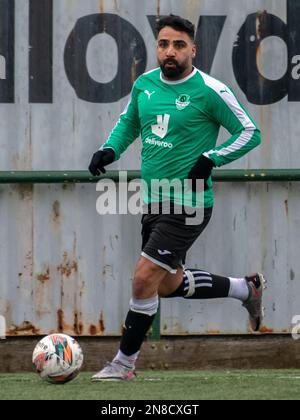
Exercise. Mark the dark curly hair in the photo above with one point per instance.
(177, 23)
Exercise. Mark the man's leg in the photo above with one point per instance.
(143, 307)
(199, 284)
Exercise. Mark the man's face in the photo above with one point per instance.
(175, 53)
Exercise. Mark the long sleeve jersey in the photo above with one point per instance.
(178, 121)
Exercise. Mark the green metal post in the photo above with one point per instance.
(155, 329)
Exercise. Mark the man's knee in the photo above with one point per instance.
(147, 279)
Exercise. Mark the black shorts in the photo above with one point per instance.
(167, 238)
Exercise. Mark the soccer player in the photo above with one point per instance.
(178, 110)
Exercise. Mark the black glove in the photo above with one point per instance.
(100, 159)
(201, 170)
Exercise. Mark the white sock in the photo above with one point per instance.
(128, 361)
(238, 289)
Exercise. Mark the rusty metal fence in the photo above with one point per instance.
(66, 69)
(68, 269)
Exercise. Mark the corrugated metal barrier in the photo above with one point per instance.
(66, 69)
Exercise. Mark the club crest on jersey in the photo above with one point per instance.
(182, 102)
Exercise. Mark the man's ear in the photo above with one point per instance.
(194, 51)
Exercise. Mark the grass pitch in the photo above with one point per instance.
(158, 385)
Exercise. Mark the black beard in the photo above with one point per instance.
(173, 73)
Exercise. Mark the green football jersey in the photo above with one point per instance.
(178, 121)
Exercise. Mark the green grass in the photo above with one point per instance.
(166, 385)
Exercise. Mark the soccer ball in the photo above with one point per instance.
(57, 358)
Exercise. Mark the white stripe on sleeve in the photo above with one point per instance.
(228, 97)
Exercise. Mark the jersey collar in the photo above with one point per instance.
(177, 82)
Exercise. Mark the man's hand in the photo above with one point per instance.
(201, 170)
(100, 159)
